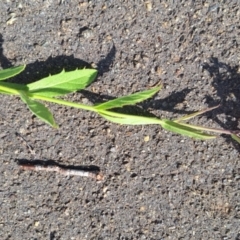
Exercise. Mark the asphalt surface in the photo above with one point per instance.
(157, 185)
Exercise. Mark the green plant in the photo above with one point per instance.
(47, 89)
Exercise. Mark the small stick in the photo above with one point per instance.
(68, 172)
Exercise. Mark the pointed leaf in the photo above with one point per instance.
(185, 130)
(128, 119)
(38, 109)
(10, 72)
(200, 128)
(128, 100)
(187, 117)
(63, 83)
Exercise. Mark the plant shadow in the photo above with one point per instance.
(53, 65)
(5, 63)
(226, 82)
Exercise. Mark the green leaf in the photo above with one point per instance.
(235, 137)
(63, 83)
(128, 119)
(185, 130)
(10, 72)
(128, 100)
(38, 109)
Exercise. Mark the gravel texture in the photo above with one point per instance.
(158, 185)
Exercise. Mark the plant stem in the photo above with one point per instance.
(148, 120)
(93, 109)
(62, 102)
(8, 90)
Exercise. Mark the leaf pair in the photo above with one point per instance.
(52, 86)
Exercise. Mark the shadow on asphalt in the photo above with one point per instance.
(226, 82)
